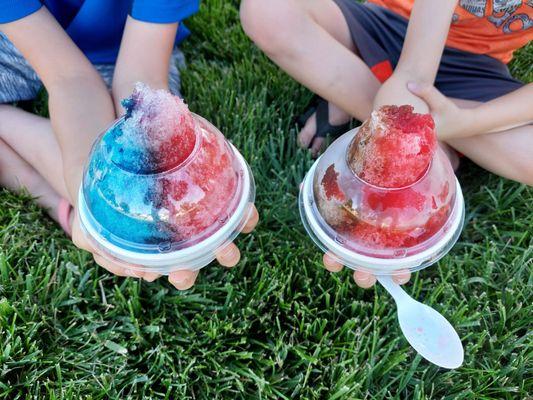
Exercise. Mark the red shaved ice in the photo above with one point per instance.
(211, 180)
(394, 147)
(377, 195)
(331, 186)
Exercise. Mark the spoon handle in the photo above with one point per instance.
(395, 290)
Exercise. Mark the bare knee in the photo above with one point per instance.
(268, 23)
(522, 172)
(507, 154)
(518, 154)
(525, 172)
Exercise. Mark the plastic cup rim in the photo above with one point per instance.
(374, 263)
(182, 256)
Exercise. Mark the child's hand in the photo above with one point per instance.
(450, 120)
(394, 91)
(228, 257)
(363, 279)
(80, 240)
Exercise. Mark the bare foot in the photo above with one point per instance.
(16, 174)
(306, 135)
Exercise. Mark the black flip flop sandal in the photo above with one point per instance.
(323, 127)
(310, 109)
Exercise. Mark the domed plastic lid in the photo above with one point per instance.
(162, 179)
(384, 191)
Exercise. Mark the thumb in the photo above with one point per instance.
(428, 93)
(78, 236)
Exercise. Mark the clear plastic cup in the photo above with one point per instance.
(380, 230)
(172, 215)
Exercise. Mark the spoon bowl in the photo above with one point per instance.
(426, 330)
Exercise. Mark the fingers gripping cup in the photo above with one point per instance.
(163, 189)
(384, 197)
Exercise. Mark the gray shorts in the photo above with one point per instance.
(18, 80)
(378, 34)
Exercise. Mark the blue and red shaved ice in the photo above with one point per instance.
(157, 134)
(160, 175)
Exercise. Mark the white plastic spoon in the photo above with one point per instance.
(430, 334)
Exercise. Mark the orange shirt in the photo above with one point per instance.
(492, 27)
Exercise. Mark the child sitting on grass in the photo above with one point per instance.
(441, 56)
(75, 49)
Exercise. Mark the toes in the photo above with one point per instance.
(183, 280)
(331, 264)
(308, 132)
(364, 279)
(317, 146)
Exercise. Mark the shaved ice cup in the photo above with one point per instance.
(375, 259)
(165, 256)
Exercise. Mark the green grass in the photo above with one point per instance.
(277, 326)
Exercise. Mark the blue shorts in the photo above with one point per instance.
(18, 80)
(378, 34)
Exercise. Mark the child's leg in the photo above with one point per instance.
(17, 174)
(311, 41)
(506, 153)
(32, 138)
